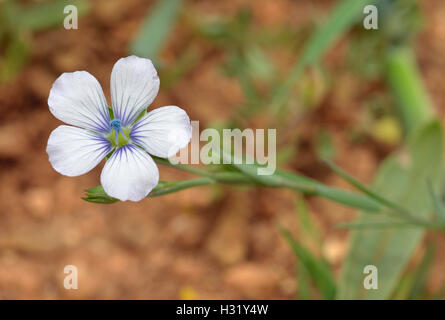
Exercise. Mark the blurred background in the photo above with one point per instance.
(223, 62)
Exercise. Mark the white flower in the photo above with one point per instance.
(129, 173)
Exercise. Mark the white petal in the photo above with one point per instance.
(74, 151)
(77, 98)
(163, 131)
(129, 174)
(134, 86)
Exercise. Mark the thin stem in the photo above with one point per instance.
(182, 167)
(398, 210)
(180, 185)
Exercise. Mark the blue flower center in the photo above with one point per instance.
(120, 134)
(116, 124)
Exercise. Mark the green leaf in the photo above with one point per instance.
(318, 269)
(156, 29)
(439, 208)
(15, 57)
(97, 195)
(303, 284)
(309, 232)
(313, 187)
(402, 177)
(405, 81)
(397, 210)
(413, 284)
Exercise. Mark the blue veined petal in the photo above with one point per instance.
(129, 174)
(74, 151)
(134, 85)
(163, 131)
(77, 98)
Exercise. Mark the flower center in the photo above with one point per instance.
(118, 136)
(116, 124)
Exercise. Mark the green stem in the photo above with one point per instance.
(397, 210)
(280, 179)
(180, 185)
(182, 167)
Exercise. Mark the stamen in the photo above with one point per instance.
(116, 124)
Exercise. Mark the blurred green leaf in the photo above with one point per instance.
(342, 17)
(17, 22)
(186, 61)
(439, 208)
(228, 33)
(7, 13)
(258, 64)
(413, 284)
(317, 268)
(401, 291)
(308, 229)
(406, 83)
(303, 282)
(325, 145)
(399, 22)
(156, 29)
(15, 57)
(312, 187)
(309, 232)
(398, 210)
(236, 66)
(401, 178)
(312, 87)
